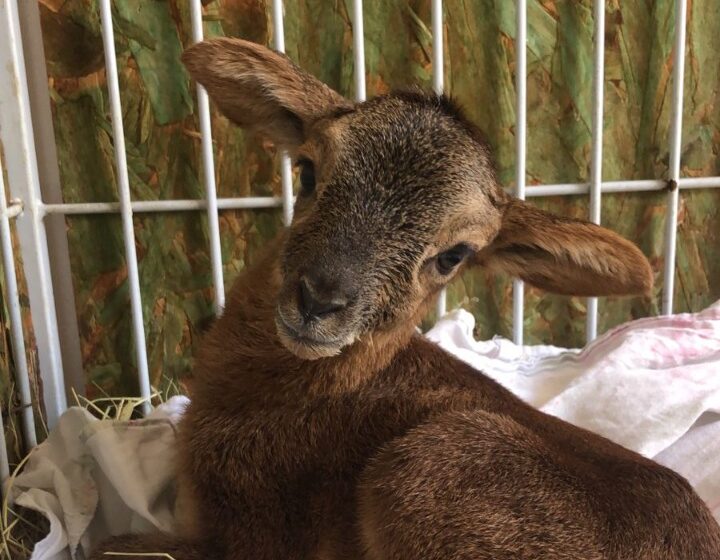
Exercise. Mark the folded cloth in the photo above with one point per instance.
(652, 385)
(92, 478)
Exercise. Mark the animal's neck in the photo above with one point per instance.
(245, 339)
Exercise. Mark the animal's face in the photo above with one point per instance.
(396, 195)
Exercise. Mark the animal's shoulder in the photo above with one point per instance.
(424, 368)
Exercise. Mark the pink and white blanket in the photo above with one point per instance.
(652, 385)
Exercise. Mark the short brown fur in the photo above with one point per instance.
(322, 426)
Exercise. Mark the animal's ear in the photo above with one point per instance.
(566, 256)
(260, 89)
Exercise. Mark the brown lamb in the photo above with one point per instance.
(322, 426)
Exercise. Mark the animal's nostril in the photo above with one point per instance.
(315, 303)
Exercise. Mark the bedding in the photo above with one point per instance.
(652, 385)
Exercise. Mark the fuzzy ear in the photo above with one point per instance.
(566, 256)
(260, 89)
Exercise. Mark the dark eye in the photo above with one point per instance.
(448, 260)
(307, 177)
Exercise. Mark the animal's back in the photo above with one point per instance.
(432, 443)
(479, 485)
(503, 480)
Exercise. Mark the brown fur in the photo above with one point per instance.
(531, 244)
(346, 435)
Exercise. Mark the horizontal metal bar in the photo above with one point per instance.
(240, 203)
(256, 202)
(699, 182)
(569, 189)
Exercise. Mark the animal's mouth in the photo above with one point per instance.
(305, 345)
(299, 337)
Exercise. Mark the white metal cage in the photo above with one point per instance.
(25, 106)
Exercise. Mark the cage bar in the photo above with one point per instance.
(438, 62)
(698, 182)
(597, 148)
(359, 50)
(14, 209)
(22, 378)
(287, 188)
(252, 203)
(438, 81)
(4, 462)
(673, 196)
(285, 164)
(577, 189)
(18, 142)
(638, 185)
(51, 191)
(520, 144)
(176, 205)
(125, 203)
(208, 169)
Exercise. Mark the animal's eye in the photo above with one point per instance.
(307, 177)
(448, 260)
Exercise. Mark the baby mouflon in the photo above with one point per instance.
(323, 427)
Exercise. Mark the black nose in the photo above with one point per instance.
(317, 299)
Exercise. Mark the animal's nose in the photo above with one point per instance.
(318, 300)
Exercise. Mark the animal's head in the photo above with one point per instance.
(396, 196)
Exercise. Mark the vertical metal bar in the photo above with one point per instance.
(597, 140)
(17, 137)
(4, 462)
(359, 50)
(208, 169)
(285, 165)
(287, 188)
(125, 207)
(520, 143)
(438, 63)
(16, 330)
(675, 153)
(51, 192)
(438, 81)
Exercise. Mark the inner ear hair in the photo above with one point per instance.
(565, 255)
